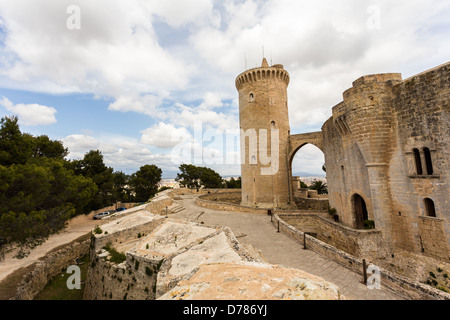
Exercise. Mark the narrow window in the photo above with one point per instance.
(418, 162)
(428, 161)
(273, 124)
(252, 97)
(430, 208)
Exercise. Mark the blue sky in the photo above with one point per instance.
(139, 77)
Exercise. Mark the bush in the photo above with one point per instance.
(369, 224)
(116, 257)
(97, 230)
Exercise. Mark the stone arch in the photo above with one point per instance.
(296, 142)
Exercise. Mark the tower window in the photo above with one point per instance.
(428, 162)
(273, 124)
(419, 169)
(251, 97)
(430, 208)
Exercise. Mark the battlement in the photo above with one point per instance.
(276, 72)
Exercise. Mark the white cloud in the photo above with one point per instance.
(176, 61)
(30, 114)
(164, 135)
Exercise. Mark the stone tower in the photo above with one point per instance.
(264, 123)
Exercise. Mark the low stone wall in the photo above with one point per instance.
(360, 243)
(201, 201)
(224, 197)
(401, 285)
(311, 204)
(50, 266)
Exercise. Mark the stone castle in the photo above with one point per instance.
(386, 150)
(387, 164)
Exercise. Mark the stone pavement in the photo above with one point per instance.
(277, 248)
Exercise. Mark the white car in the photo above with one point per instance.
(101, 215)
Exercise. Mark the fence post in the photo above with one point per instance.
(365, 271)
(304, 240)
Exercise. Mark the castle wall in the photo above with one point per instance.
(368, 147)
(421, 106)
(347, 174)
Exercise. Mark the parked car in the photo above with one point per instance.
(101, 215)
(121, 209)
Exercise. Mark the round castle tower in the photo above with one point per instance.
(264, 123)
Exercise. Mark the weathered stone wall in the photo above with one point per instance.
(229, 197)
(311, 204)
(134, 279)
(50, 266)
(359, 243)
(124, 235)
(421, 106)
(368, 147)
(201, 202)
(411, 289)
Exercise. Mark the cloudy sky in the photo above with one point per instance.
(146, 80)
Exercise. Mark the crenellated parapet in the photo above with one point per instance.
(276, 73)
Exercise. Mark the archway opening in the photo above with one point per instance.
(308, 176)
(361, 214)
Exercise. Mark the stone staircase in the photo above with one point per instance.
(175, 208)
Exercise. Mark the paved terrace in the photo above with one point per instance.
(277, 248)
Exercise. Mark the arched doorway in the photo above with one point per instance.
(359, 211)
(307, 166)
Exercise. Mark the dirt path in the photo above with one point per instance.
(77, 227)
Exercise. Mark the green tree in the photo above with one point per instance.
(39, 190)
(234, 183)
(319, 186)
(194, 177)
(93, 167)
(145, 182)
(121, 188)
(189, 177)
(15, 147)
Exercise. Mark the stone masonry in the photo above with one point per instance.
(386, 150)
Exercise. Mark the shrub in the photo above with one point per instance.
(332, 211)
(369, 224)
(116, 257)
(97, 230)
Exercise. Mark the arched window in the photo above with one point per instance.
(272, 124)
(419, 169)
(428, 162)
(430, 209)
(251, 97)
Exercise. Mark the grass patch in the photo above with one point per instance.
(116, 257)
(56, 289)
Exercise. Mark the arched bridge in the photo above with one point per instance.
(299, 140)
